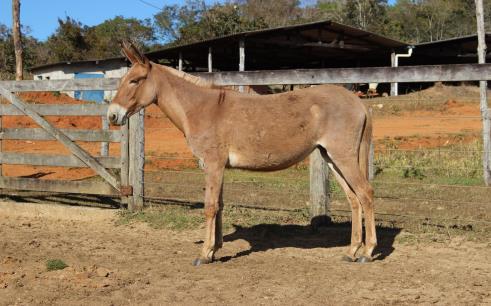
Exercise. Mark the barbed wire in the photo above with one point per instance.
(377, 150)
(201, 173)
(347, 213)
(228, 187)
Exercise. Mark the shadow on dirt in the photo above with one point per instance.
(60, 198)
(263, 237)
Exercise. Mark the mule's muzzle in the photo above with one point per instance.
(116, 114)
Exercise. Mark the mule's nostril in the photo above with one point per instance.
(112, 117)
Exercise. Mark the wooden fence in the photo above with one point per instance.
(125, 182)
(131, 161)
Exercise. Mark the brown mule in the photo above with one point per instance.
(225, 128)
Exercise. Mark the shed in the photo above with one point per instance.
(105, 68)
(458, 50)
(310, 45)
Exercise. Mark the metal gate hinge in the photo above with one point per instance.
(126, 190)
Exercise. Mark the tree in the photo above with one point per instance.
(370, 15)
(174, 21)
(331, 10)
(68, 43)
(431, 20)
(17, 39)
(194, 21)
(103, 38)
(7, 53)
(274, 13)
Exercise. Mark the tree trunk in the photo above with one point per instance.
(17, 39)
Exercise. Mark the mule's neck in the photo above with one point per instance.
(180, 98)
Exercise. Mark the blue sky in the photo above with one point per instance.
(42, 15)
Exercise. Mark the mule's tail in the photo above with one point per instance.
(366, 139)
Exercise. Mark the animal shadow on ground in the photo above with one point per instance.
(263, 237)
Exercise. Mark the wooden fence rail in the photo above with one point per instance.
(404, 74)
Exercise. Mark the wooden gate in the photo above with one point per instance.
(112, 183)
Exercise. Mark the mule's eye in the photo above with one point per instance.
(134, 81)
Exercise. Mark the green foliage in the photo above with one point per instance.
(55, 264)
(366, 14)
(431, 20)
(103, 38)
(413, 171)
(194, 21)
(452, 161)
(68, 43)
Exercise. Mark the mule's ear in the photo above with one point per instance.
(133, 54)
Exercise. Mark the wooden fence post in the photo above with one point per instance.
(319, 190)
(241, 60)
(371, 156)
(137, 159)
(125, 154)
(105, 145)
(483, 85)
(1, 145)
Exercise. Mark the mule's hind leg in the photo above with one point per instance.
(356, 218)
(349, 170)
(356, 212)
(359, 184)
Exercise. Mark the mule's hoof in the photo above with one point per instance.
(346, 258)
(364, 259)
(201, 261)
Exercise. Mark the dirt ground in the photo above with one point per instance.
(134, 264)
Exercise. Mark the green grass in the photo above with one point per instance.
(179, 218)
(458, 162)
(175, 218)
(55, 264)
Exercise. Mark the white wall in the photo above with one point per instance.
(68, 71)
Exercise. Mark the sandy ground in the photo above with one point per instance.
(137, 265)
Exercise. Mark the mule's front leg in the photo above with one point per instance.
(213, 239)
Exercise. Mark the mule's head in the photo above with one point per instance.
(136, 91)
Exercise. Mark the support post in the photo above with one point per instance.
(393, 86)
(241, 60)
(319, 190)
(137, 159)
(371, 156)
(125, 163)
(180, 61)
(105, 145)
(210, 59)
(483, 86)
(1, 145)
(371, 170)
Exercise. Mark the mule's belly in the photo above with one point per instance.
(267, 160)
